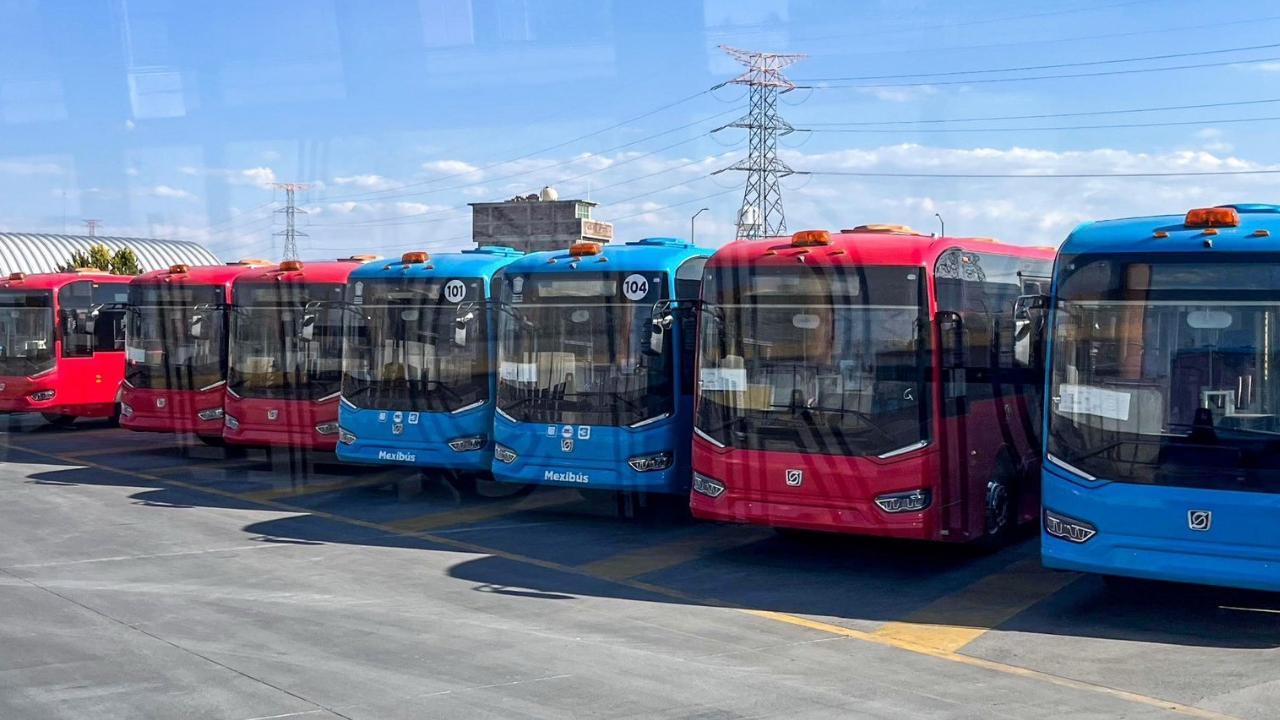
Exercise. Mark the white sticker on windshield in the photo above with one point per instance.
(724, 379)
(1089, 400)
(518, 372)
(635, 287)
(133, 354)
(454, 291)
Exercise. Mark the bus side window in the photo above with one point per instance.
(74, 301)
(108, 326)
(688, 290)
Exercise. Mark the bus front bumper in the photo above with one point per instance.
(437, 454)
(847, 518)
(1192, 563)
(18, 395)
(141, 411)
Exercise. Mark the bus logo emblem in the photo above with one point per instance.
(566, 444)
(273, 414)
(161, 402)
(2, 387)
(1199, 520)
(795, 477)
(397, 428)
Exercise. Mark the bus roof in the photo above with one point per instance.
(894, 245)
(202, 274)
(645, 254)
(1258, 231)
(54, 281)
(307, 271)
(476, 262)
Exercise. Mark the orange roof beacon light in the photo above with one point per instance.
(415, 257)
(290, 265)
(179, 268)
(1212, 217)
(584, 248)
(810, 238)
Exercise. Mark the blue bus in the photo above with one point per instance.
(417, 379)
(595, 367)
(1162, 429)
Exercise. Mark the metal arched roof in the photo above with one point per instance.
(40, 253)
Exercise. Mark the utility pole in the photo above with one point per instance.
(290, 210)
(761, 213)
(93, 224)
(692, 224)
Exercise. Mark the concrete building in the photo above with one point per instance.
(537, 222)
(43, 253)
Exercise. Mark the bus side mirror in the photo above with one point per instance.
(1026, 305)
(460, 329)
(308, 330)
(196, 327)
(90, 321)
(657, 339)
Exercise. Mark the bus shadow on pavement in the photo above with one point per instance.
(561, 552)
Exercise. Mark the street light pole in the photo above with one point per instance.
(942, 230)
(692, 228)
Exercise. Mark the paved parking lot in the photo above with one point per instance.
(146, 576)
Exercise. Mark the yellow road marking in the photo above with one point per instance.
(463, 546)
(1169, 705)
(538, 500)
(953, 621)
(706, 540)
(381, 478)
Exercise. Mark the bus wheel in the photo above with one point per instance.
(58, 420)
(999, 505)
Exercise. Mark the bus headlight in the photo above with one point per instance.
(346, 437)
(468, 443)
(708, 486)
(126, 409)
(329, 428)
(210, 414)
(230, 422)
(1069, 529)
(504, 454)
(650, 463)
(900, 502)
(42, 395)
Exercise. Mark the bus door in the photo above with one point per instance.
(91, 324)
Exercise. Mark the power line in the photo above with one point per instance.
(1048, 116)
(675, 205)
(1056, 66)
(997, 176)
(985, 81)
(1173, 123)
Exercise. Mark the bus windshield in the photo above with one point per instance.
(814, 359)
(570, 349)
(286, 341)
(176, 337)
(1166, 373)
(26, 332)
(416, 344)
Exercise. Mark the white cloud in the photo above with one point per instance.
(1269, 67)
(449, 167)
(899, 94)
(20, 167)
(368, 182)
(165, 191)
(260, 176)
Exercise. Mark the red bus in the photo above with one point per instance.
(176, 349)
(874, 381)
(62, 343)
(284, 371)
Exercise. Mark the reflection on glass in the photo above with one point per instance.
(286, 341)
(1166, 374)
(26, 332)
(410, 347)
(176, 337)
(826, 360)
(573, 349)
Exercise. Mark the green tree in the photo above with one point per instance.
(121, 262)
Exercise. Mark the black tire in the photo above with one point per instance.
(1001, 505)
(57, 420)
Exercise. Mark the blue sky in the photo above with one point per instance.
(170, 118)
